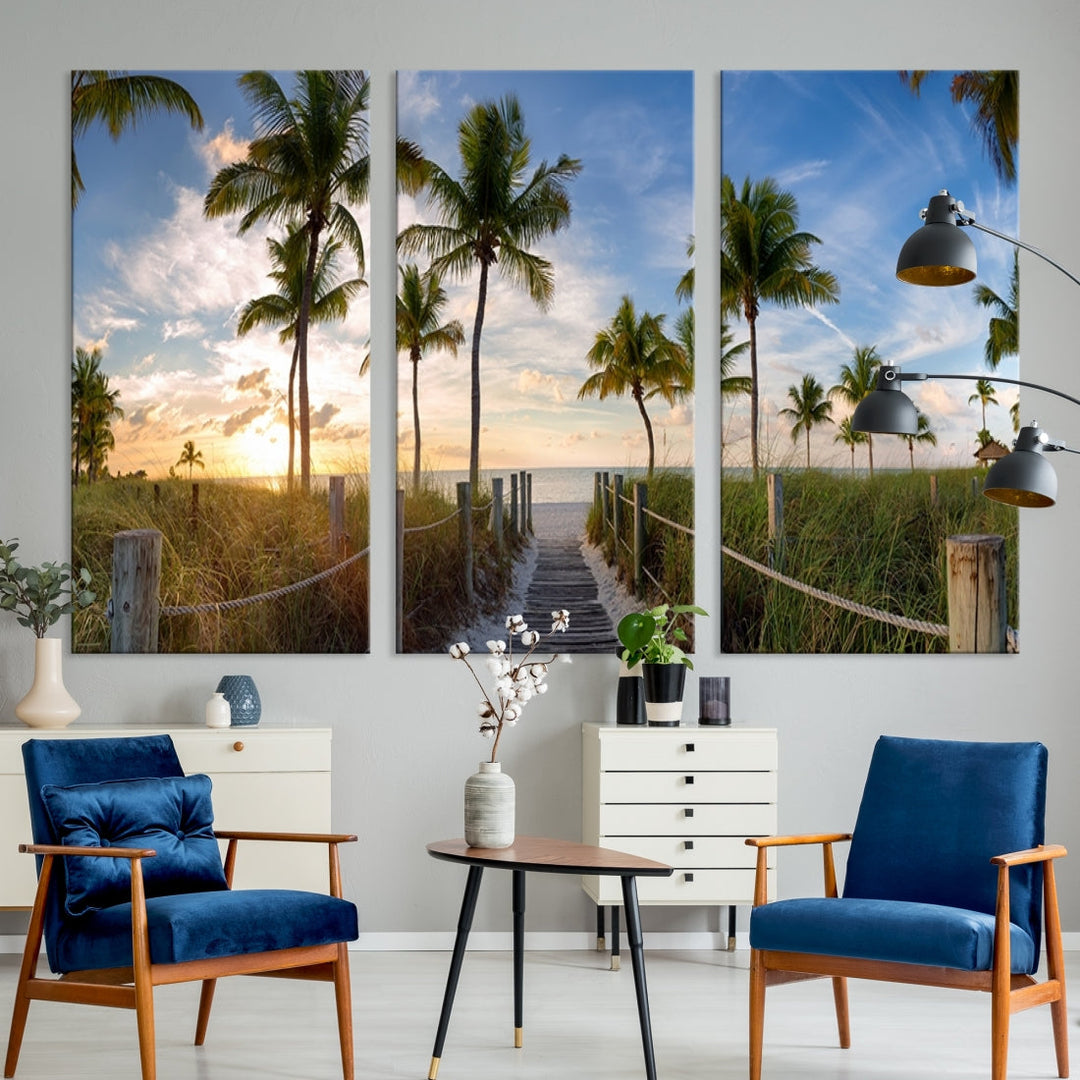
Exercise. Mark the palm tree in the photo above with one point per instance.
(732, 385)
(1003, 332)
(309, 160)
(420, 329)
(633, 356)
(329, 301)
(764, 258)
(191, 457)
(491, 216)
(923, 435)
(851, 438)
(984, 394)
(809, 407)
(1014, 415)
(120, 100)
(996, 97)
(93, 409)
(857, 379)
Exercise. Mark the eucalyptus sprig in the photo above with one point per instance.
(40, 595)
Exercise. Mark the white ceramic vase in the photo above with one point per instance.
(489, 807)
(48, 704)
(218, 711)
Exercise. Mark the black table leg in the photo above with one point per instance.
(519, 954)
(731, 928)
(637, 959)
(601, 944)
(468, 908)
(615, 933)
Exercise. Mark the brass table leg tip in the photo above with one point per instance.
(730, 944)
(433, 1072)
(601, 944)
(614, 963)
(518, 1038)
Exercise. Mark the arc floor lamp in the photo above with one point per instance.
(937, 254)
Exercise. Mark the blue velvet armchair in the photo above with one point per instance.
(132, 892)
(948, 883)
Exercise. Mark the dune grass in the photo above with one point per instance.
(879, 543)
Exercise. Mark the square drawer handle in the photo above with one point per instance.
(688, 878)
(688, 845)
(688, 779)
(688, 812)
(689, 747)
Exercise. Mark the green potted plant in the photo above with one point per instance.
(652, 639)
(39, 596)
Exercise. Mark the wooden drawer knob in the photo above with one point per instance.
(238, 746)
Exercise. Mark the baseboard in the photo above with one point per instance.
(540, 941)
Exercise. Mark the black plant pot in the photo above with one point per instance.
(663, 685)
(630, 702)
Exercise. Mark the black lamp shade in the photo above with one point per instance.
(889, 412)
(940, 252)
(1022, 478)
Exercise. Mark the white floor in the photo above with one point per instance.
(580, 1024)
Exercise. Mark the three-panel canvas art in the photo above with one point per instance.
(545, 355)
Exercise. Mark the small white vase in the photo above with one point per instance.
(489, 807)
(218, 711)
(48, 704)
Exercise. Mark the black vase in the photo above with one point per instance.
(663, 685)
(630, 702)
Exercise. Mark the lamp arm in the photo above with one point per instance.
(963, 218)
(894, 374)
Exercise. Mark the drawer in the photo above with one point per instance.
(708, 887)
(237, 750)
(689, 819)
(703, 852)
(666, 787)
(683, 749)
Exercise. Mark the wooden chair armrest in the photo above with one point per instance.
(302, 838)
(1042, 853)
(93, 852)
(787, 841)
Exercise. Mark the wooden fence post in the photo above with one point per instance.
(775, 484)
(136, 581)
(497, 512)
(617, 513)
(596, 489)
(977, 605)
(399, 568)
(605, 502)
(933, 491)
(337, 515)
(526, 502)
(464, 502)
(641, 502)
(514, 504)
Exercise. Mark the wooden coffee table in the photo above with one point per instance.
(542, 855)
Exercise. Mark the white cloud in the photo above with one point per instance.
(221, 149)
(174, 328)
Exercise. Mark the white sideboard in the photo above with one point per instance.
(264, 778)
(687, 796)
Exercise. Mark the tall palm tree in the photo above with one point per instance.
(809, 407)
(765, 259)
(120, 100)
(984, 394)
(1003, 332)
(923, 435)
(1014, 415)
(420, 305)
(329, 302)
(93, 408)
(732, 385)
(191, 457)
(490, 216)
(851, 438)
(632, 355)
(857, 379)
(996, 97)
(309, 160)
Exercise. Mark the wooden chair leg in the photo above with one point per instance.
(206, 999)
(757, 1011)
(843, 1023)
(343, 997)
(144, 987)
(1055, 968)
(29, 968)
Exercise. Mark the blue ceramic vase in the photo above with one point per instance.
(243, 699)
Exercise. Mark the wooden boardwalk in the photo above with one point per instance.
(562, 579)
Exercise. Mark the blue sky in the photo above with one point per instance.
(159, 288)
(863, 156)
(632, 217)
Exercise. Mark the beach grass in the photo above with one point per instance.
(877, 542)
(241, 541)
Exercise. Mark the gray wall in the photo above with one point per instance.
(403, 726)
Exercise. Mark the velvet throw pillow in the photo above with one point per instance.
(172, 815)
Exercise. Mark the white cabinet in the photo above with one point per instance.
(688, 796)
(264, 778)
